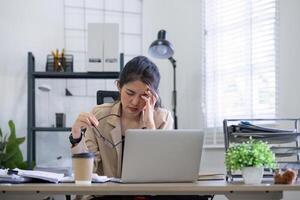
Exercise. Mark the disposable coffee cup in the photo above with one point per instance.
(83, 167)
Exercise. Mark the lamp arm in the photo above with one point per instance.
(174, 97)
(173, 61)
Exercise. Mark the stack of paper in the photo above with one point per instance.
(21, 176)
(95, 179)
(210, 176)
(11, 178)
(47, 176)
(67, 171)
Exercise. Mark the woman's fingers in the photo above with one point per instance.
(87, 119)
(153, 96)
(150, 100)
(146, 99)
(94, 120)
(84, 120)
(153, 93)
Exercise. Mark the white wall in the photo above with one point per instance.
(31, 25)
(289, 58)
(38, 26)
(289, 64)
(181, 20)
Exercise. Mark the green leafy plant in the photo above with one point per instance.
(10, 152)
(253, 153)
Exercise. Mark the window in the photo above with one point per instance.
(78, 13)
(240, 62)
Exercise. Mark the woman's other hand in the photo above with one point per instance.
(84, 120)
(150, 97)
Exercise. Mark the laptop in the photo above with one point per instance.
(152, 156)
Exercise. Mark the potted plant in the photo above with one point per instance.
(251, 157)
(10, 152)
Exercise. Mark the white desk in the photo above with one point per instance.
(232, 191)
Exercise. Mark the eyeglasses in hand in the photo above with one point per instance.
(103, 138)
(106, 140)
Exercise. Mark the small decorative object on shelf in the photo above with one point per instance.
(251, 157)
(60, 120)
(287, 177)
(59, 62)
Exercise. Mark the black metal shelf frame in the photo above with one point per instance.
(31, 119)
(51, 129)
(76, 75)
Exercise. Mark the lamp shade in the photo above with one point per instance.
(161, 48)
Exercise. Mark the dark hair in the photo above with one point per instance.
(142, 69)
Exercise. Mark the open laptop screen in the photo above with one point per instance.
(162, 155)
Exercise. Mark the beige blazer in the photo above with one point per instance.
(108, 160)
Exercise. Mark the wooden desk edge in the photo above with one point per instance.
(201, 187)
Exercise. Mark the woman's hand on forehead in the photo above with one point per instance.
(147, 92)
(152, 92)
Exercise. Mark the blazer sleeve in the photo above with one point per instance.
(89, 144)
(168, 123)
(92, 146)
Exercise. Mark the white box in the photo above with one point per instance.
(111, 48)
(103, 47)
(95, 48)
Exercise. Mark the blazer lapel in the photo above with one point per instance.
(115, 122)
(116, 134)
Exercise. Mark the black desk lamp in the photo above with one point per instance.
(163, 49)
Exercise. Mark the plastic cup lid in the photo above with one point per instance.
(83, 155)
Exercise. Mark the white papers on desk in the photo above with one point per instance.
(67, 171)
(99, 179)
(47, 176)
(55, 177)
(11, 178)
(95, 179)
(22, 176)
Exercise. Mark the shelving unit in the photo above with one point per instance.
(32, 76)
(285, 143)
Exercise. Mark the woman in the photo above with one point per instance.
(138, 108)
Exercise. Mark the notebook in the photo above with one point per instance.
(161, 155)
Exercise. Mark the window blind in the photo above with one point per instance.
(240, 76)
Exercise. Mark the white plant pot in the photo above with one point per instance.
(252, 175)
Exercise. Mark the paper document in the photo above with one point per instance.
(272, 138)
(11, 178)
(210, 176)
(247, 127)
(67, 171)
(21, 176)
(95, 179)
(47, 176)
(99, 179)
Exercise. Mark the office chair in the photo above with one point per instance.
(104, 96)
